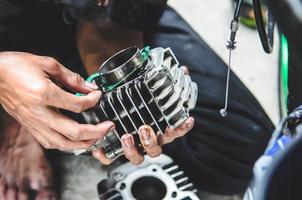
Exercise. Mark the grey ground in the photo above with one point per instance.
(211, 19)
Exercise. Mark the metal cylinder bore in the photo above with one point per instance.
(120, 66)
(141, 87)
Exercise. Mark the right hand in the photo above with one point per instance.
(30, 92)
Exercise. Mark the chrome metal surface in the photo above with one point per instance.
(120, 65)
(159, 94)
(153, 179)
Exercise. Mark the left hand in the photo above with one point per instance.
(151, 142)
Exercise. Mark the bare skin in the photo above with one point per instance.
(23, 166)
(31, 92)
(35, 106)
(33, 99)
(97, 42)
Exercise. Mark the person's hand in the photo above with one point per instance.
(30, 92)
(152, 142)
(103, 2)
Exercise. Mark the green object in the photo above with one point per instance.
(283, 76)
(145, 53)
(144, 56)
(251, 23)
(90, 79)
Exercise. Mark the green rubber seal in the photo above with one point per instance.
(90, 79)
(144, 56)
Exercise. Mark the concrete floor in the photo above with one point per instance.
(211, 19)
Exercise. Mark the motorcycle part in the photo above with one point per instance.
(231, 46)
(140, 87)
(268, 182)
(155, 178)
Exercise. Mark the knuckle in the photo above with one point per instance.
(154, 153)
(76, 134)
(78, 108)
(82, 129)
(47, 145)
(75, 78)
(137, 161)
(49, 62)
(38, 91)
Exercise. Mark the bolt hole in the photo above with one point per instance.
(122, 186)
(154, 170)
(174, 194)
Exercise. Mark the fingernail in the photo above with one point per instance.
(145, 133)
(91, 85)
(111, 128)
(128, 142)
(190, 123)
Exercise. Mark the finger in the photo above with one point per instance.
(171, 134)
(149, 141)
(40, 177)
(130, 150)
(23, 187)
(99, 155)
(22, 195)
(185, 69)
(11, 193)
(46, 194)
(64, 76)
(54, 140)
(59, 98)
(77, 132)
(2, 187)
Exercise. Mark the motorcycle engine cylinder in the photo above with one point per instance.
(140, 87)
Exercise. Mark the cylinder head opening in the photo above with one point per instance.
(118, 67)
(148, 188)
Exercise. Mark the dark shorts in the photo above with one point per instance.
(219, 153)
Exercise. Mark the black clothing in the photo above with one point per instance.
(219, 153)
